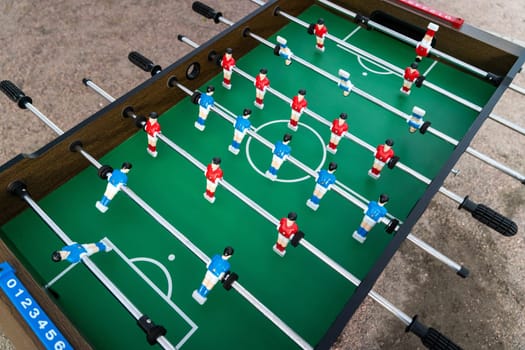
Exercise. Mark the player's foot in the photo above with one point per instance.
(292, 127)
(258, 105)
(406, 92)
(358, 237)
(107, 243)
(208, 198)
(331, 150)
(279, 252)
(320, 48)
(199, 126)
(198, 298)
(372, 175)
(288, 62)
(346, 93)
(312, 205)
(270, 175)
(227, 86)
(233, 150)
(101, 207)
(151, 153)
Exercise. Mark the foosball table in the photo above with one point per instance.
(288, 159)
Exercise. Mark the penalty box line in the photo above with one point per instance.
(153, 286)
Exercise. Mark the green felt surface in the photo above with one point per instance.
(302, 290)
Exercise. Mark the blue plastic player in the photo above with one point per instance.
(324, 182)
(374, 213)
(242, 124)
(416, 120)
(75, 251)
(281, 151)
(116, 180)
(217, 268)
(284, 50)
(206, 101)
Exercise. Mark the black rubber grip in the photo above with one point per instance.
(206, 11)
(494, 79)
(17, 188)
(152, 330)
(489, 217)
(15, 94)
(144, 63)
(463, 272)
(431, 337)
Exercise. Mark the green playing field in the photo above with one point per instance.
(299, 288)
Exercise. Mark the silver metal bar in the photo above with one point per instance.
(130, 307)
(401, 315)
(400, 72)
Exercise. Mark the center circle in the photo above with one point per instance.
(301, 125)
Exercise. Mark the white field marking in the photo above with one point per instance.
(430, 68)
(360, 59)
(385, 71)
(323, 159)
(164, 270)
(159, 292)
(60, 275)
(351, 33)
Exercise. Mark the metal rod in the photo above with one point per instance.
(200, 254)
(339, 186)
(130, 307)
(343, 272)
(400, 72)
(401, 114)
(409, 41)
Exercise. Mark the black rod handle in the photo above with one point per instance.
(490, 217)
(431, 337)
(15, 94)
(144, 63)
(206, 11)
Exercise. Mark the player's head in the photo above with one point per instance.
(332, 166)
(414, 65)
(383, 198)
(229, 50)
(389, 142)
(56, 257)
(216, 160)
(228, 251)
(343, 116)
(320, 21)
(302, 92)
(126, 165)
(292, 216)
(287, 138)
(153, 115)
(210, 89)
(246, 112)
(263, 71)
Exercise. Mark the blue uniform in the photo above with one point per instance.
(118, 177)
(75, 251)
(242, 124)
(217, 266)
(373, 214)
(325, 179)
(375, 211)
(206, 101)
(281, 150)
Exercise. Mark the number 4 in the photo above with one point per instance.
(42, 324)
